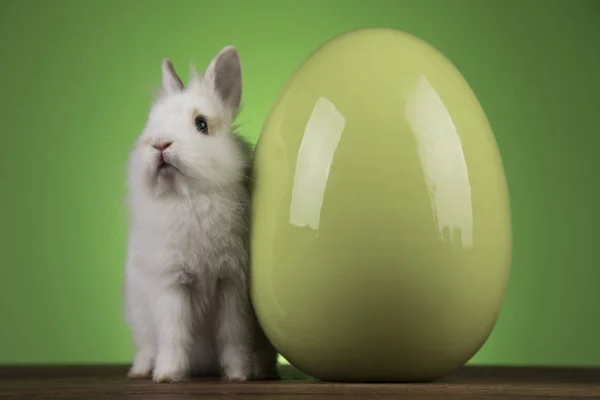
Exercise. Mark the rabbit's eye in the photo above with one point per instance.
(201, 125)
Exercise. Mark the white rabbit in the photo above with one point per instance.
(186, 285)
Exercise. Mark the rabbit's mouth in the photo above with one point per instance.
(165, 164)
(165, 167)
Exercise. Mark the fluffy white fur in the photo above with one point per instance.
(186, 273)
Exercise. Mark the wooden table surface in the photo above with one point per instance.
(109, 382)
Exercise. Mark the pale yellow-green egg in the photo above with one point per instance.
(381, 235)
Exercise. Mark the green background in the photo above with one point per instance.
(76, 78)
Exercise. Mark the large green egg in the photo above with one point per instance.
(381, 236)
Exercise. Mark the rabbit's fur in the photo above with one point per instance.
(186, 274)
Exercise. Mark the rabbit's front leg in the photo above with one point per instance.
(174, 324)
(139, 318)
(143, 360)
(234, 330)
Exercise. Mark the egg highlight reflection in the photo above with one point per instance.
(381, 236)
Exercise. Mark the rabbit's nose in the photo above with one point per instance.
(162, 146)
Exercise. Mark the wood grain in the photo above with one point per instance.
(95, 382)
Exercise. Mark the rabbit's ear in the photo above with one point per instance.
(225, 77)
(170, 81)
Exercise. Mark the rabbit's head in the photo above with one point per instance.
(188, 142)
